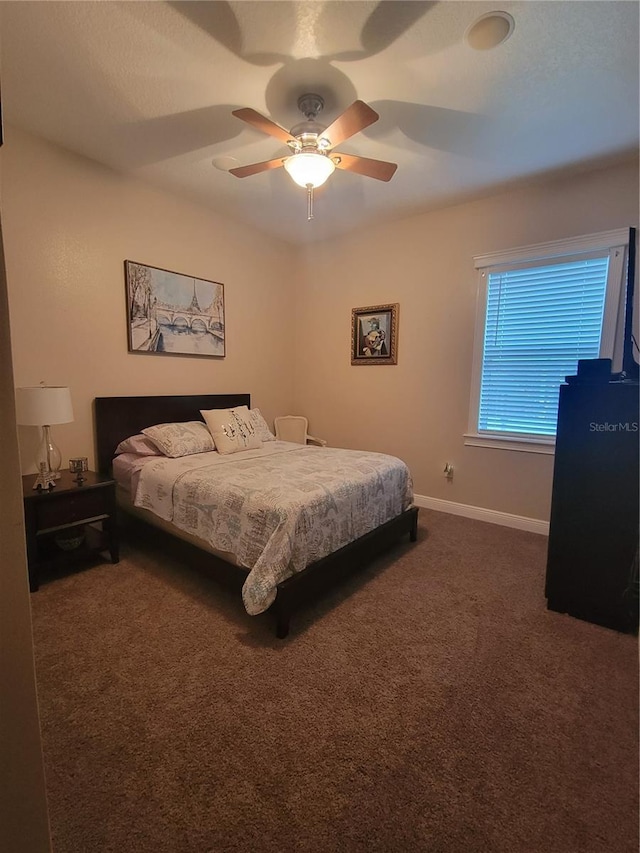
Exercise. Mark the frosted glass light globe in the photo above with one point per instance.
(308, 167)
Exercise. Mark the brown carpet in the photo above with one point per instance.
(431, 704)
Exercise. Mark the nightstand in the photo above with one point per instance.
(69, 522)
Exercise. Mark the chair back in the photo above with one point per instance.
(291, 428)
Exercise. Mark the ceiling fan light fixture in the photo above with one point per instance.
(309, 168)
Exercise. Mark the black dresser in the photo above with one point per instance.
(592, 562)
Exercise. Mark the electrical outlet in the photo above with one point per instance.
(448, 470)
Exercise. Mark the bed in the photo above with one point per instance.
(118, 418)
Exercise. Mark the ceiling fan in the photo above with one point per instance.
(312, 158)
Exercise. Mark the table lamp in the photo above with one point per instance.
(43, 406)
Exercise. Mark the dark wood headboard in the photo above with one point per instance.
(116, 418)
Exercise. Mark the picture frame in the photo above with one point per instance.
(374, 334)
(170, 313)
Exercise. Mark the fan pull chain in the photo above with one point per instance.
(309, 202)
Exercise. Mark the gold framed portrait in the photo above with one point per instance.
(374, 334)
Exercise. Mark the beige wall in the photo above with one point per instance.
(69, 225)
(418, 409)
(24, 825)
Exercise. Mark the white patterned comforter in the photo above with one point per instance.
(277, 509)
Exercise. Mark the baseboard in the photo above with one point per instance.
(521, 522)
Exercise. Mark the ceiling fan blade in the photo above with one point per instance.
(256, 168)
(264, 124)
(354, 119)
(378, 169)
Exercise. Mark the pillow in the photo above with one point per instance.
(255, 417)
(181, 439)
(139, 444)
(232, 429)
(262, 428)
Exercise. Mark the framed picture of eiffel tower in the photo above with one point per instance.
(169, 313)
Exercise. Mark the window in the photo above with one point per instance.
(540, 310)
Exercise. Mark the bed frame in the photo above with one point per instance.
(117, 418)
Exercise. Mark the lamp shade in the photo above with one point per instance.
(309, 167)
(43, 405)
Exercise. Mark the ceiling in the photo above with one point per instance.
(148, 89)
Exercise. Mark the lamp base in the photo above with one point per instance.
(49, 458)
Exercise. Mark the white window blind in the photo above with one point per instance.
(539, 322)
(540, 310)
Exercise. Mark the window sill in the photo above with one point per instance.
(522, 444)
